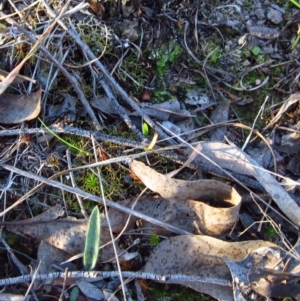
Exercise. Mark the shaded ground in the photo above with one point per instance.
(233, 62)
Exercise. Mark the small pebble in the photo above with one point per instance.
(274, 16)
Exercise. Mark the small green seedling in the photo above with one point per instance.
(270, 232)
(256, 50)
(154, 240)
(91, 183)
(145, 129)
(92, 241)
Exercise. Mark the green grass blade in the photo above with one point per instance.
(62, 140)
(92, 241)
(295, 3)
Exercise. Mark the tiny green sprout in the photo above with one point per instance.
(154, 240)
(270, 233)
(91, 181)
(256, 50)
(145, 129)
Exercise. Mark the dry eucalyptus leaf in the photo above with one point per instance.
(67, 234)
(232, 158)
(47, 255)
(263, 32)
(19, 108)
(293, 98)
(204, 206)
(163, 111)
(193, 216)
(201, 256)
(268, 271)
(105, 105)
(220, 114)
(67, 109)
(90, 290)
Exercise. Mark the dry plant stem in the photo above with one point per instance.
(204, 71)
(82, 209)
(33, 279)
(209, 68)
(37, 44)
(99, 275)
(121, 110)
(170, 154)
(108, 222)
(232, 177)
(263, 216)
(22, 268)
(10, 177)
(73, 33)
(115, 85)
(71, 78)
(95, 198)
(65, 129)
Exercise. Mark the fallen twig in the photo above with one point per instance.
(99, 275)
(71, 78)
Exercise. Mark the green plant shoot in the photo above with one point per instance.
(256, 50)
(92, 241)
(61, 139)
(145, 129)
(154, 240)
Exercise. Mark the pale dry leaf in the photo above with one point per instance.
(193, 216)
(18, 108)
(90, 290)
(47, 255)
(66, 109)
(219, 115)
(269, 271)
(67, 234)
(293, 98)
(232, 158)
(105, 105)
(201, 256)
(18, 79)
(263, 32)
(165, 110)
(203, 206)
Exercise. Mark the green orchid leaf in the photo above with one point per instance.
(92, 240)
